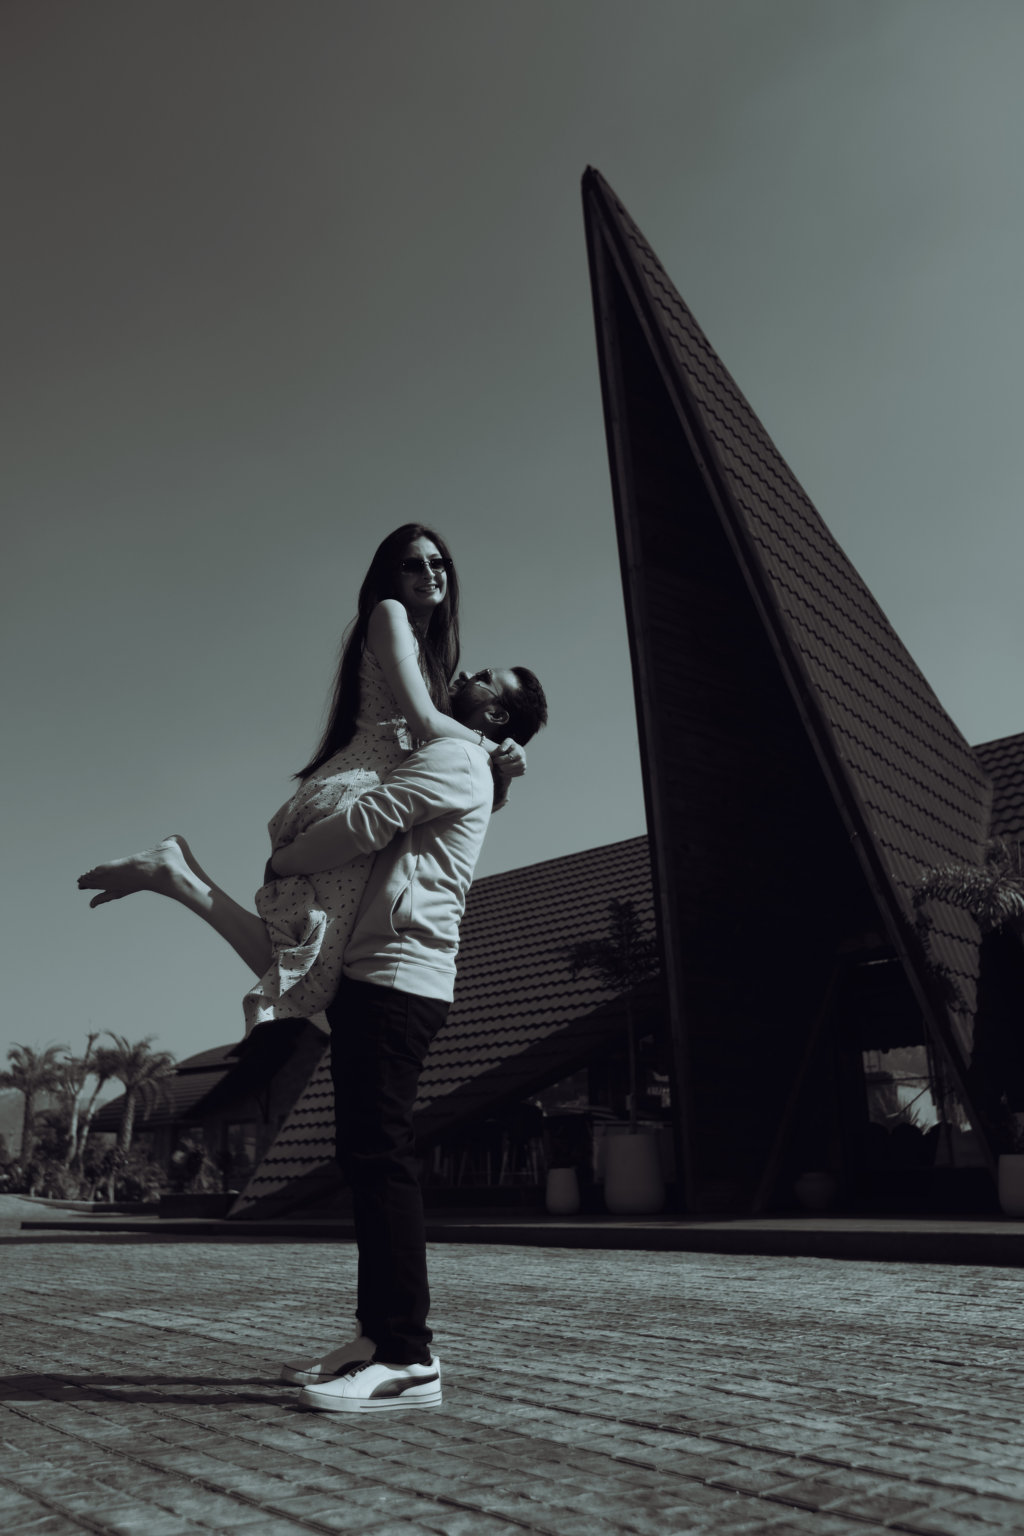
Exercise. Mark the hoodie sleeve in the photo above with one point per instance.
(442, 778)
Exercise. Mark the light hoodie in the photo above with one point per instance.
(426, 822)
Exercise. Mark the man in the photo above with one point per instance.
(427, 821)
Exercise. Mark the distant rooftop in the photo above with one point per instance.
(177, 1094)
(1003, 761)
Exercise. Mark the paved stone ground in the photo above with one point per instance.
(585, 1394)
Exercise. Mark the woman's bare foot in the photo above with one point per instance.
(169, 869)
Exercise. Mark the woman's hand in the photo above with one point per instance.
(510, 759)
(507, 763)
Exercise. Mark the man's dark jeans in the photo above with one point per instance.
(379, 1038)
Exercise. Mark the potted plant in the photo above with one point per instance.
(564, 1148)
(1011, 1165)
(623, 959)
(992, 892)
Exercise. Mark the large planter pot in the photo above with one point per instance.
(562, 1197)
(1011, 1183)
(633, 1183)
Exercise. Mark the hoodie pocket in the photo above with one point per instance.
(401, 910)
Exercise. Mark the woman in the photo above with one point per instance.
(392, 690)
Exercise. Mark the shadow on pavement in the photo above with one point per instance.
(143, 1388)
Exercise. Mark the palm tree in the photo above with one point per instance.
(76, 1072)
(992, 892)
(32, 1073)
(141, 1072)
(623, 959)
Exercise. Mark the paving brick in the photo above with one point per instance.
(18, 1512)
(304, 1505)
(756, 1480)
(256, 1523)
(150, 1522)
(943, 1522)
(461, 1523)
(360, 1518)
(399, 1528)
(432, 1484)
(809, 1523)
(39, 1523)
(512, 1503)
(998, 1512)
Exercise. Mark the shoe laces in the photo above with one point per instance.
(364, 1365)
(359, 1365)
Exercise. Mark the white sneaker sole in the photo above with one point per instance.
(415, 1397)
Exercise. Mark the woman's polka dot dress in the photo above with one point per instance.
(309, 918)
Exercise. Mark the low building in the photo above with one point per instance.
(230, 1100)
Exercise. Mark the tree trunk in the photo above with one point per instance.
(75, 1118)
(69, 1150)
(124, 1135)
(26, 1127)
(84, 1125)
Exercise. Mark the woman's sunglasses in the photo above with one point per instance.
(415, 563)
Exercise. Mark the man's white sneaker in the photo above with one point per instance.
(373, 1386)
(330, 1365)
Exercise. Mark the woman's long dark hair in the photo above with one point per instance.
(439, 648)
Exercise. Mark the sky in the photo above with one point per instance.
(280, 275)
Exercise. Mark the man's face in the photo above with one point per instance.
(473, 693)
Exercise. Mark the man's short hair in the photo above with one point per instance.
(527, 707)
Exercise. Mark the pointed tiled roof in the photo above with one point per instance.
(518, 1015)
(1003, 761)
(907, 783)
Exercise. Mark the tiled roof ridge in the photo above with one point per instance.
(1016, 737)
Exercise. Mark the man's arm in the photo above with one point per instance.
(438, 779)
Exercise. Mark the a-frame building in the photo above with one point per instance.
(799, 771)
(799, 775)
